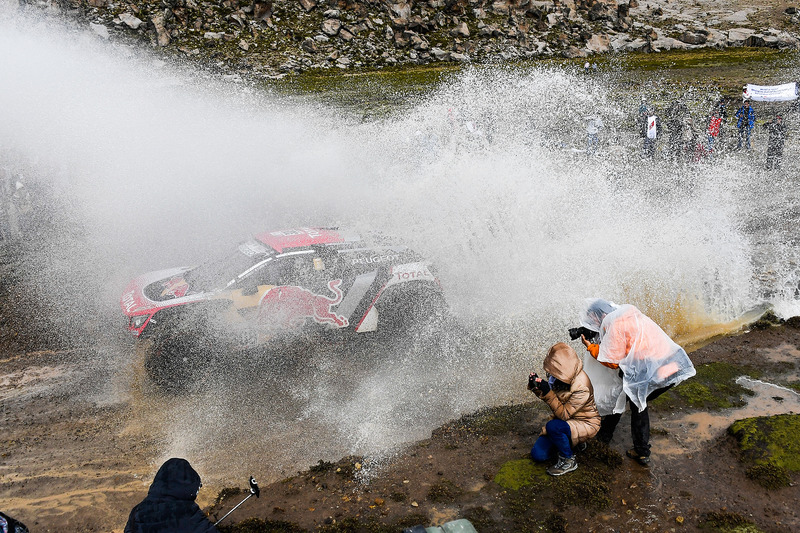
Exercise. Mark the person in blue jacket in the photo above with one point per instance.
(746, 120)
(169, 506)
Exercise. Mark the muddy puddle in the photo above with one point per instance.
(693, 431)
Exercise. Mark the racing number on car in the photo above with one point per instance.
(289, 306)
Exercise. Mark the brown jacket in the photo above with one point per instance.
(576, 405)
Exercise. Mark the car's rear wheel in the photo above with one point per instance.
(410, 307)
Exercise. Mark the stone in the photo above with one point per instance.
(573, 52)
(417, 42)
(262, 9)
(345, 35)
(308, 5)
(244, 45)
(130, 21)
(401, 10)
(213, 35)
(737, 36)
(461, 30)
(598, 43)
(162, 35)
(309, 45)
(99, 30)
(98, 3)
(459, 57)
(331, 26)
(332, 14)
(637, 45)
(440, 54)
(690, 37)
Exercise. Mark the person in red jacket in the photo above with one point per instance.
(649, 361)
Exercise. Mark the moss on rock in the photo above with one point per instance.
(770, 445)
(727, 522)
(520, 473)
(714, 387)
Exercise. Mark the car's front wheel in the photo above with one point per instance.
(176, 362)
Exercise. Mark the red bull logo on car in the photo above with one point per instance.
(289, 306)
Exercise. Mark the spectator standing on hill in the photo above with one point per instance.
(713, 130)
(593, 127)
(650, 130)
(777, 135)
(745, 121)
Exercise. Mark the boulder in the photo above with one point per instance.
(573, 51)
(130, 21)
(99, 30)
(162, 35)
(308, 5)
(461, 30)
(598, 43)
(737, 36)
(440, 54)
(331, 26)
(309, 45)
(690, 37)
(401, 10)
(637, 45)
(262, 9)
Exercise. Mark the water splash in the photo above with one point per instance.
(144, 164)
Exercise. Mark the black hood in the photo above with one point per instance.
(175, 479)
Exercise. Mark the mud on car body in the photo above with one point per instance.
(310, 282)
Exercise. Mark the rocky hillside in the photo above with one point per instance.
(274, 37)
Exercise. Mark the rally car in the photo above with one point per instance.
(307, 282)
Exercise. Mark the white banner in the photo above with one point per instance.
(770, 93)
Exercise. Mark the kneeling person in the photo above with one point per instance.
(568, 392)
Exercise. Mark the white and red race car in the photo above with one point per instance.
(309, 282)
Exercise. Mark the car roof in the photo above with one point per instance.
(283, 240)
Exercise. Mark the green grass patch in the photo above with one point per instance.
(769, 444)
(520, 473)
(714, 387)
(727, 522)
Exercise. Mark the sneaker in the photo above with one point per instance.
(563, 466)
(641, 459)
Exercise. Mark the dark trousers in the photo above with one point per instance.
(640, 425)
(557, 439)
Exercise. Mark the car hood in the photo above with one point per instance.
(159, 289)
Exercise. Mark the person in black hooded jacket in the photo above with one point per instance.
(169, 506)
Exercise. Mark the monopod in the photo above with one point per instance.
(253, 490)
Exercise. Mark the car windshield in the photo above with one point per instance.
(220, 272)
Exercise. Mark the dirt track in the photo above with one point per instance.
(77, 458)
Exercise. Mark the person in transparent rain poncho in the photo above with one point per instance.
(645, 360)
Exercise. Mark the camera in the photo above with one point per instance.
(575, 333)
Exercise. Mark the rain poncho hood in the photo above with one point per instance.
(648, 358)
(593, 312)
(169, 505)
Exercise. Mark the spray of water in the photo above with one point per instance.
(144, 165)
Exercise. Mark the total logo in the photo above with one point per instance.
(414, 274)
(128, 302)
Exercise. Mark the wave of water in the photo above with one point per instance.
(152, 164)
